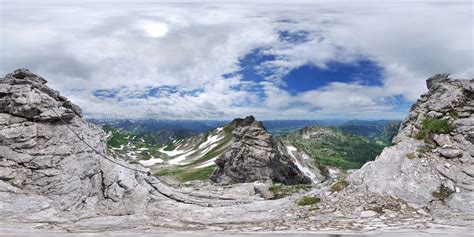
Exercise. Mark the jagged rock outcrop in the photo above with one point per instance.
(433, 155)
(44, 165)
(18, 101)
(254, 155)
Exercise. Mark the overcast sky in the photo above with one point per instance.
(224, 60)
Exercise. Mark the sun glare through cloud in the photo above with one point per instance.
(154, 29)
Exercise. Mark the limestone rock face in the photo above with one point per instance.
(43, 164)
(441, 167)
(254, 155)
(18, 99)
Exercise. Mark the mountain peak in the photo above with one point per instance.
(253, 156)
(251, 121)
(26, 74)
(434, 81)
(248, 120)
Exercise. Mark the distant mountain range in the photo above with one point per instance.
(164, 131)
(280, 127)
(381, 130)
(153, 125)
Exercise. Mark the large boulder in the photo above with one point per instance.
(253, 156)
(427, 166)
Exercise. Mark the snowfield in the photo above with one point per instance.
(207, 163)
(180, 156)
(151, 161)
(306, 171)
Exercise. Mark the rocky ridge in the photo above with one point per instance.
(432, 159)
(254, 156)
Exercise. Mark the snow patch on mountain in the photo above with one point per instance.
(306, 171)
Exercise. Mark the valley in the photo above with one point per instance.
(348, 145)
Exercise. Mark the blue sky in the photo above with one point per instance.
(225, 60)
(308, 77)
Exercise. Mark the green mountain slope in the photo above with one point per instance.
(334, 147)
(193, 158)
(380, 130)
(131, 147)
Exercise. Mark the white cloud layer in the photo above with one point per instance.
(130, 48)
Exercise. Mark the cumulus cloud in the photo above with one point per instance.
(112, 61)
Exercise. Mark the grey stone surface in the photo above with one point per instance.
(368, 214)
(462, 201)
(443, 140)
(395, 174)
(449, 152)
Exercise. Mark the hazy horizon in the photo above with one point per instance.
(116, 117)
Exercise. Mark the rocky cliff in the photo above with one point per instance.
(254, 155)
(43, 165)
(432, 159)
